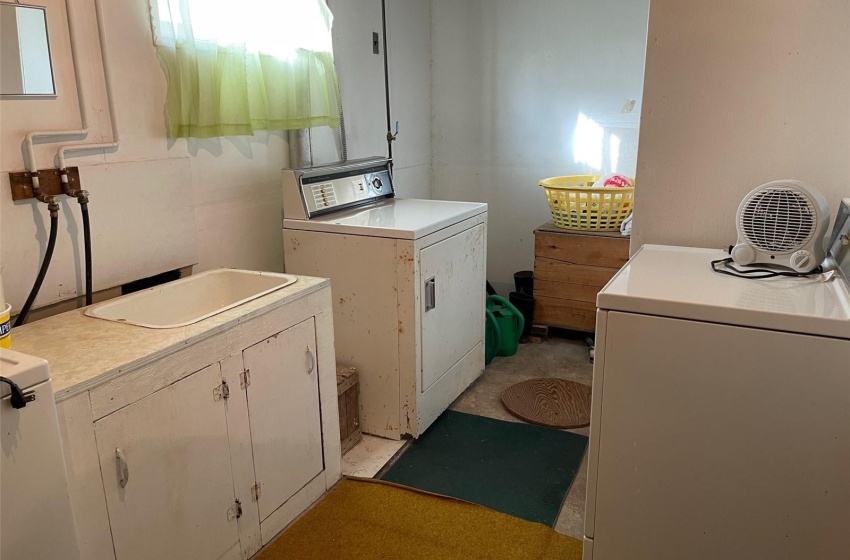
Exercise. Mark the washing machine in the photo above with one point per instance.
(36, 521)
(720, 422)
(408, 283)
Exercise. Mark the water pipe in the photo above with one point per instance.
(107, 76)
(83, 131)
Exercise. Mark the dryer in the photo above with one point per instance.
(720, 422)
(408, 282)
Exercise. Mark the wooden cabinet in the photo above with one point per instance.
(214, 462)
(570, 268)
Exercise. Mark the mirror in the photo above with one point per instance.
(25, 67)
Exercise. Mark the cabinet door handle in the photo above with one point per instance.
(123, 469)
(311, 361)
(430, 293)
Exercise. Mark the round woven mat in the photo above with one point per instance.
(549, 402)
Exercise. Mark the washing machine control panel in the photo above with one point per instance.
(333, 192)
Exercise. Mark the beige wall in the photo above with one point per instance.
(738, 94)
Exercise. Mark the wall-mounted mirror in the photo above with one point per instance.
(25, 67)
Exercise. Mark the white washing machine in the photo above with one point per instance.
(408, 282)
(720, 425)
(36, 522)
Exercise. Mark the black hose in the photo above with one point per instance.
(84, 208)
(48, 254)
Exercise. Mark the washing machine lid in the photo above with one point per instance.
(396, 218)
(25, 370)
(678, 282)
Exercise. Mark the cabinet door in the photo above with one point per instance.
(179, 484)
(453, 320)
(283, 404)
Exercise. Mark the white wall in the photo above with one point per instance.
(362, 86)
(510, 80)
(409, 51)
(226, 191)
(738, 94)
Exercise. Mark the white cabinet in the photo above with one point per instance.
(166, 472)
(209, 452)
(283, 404)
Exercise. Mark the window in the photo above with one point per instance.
(234, 67)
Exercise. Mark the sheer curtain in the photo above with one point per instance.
(234, 67)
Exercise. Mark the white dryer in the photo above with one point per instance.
(720, 425)
(408, 282)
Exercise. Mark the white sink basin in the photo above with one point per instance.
(191, 299)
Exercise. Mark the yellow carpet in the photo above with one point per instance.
(370, 520)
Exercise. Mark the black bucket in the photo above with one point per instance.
(525, 304)
(524, 282)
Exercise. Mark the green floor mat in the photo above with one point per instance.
(518, 469)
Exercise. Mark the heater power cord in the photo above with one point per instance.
(724, 266)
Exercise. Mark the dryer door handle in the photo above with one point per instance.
(430, 293)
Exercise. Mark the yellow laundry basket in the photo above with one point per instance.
(575, 204)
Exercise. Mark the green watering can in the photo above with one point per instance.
(507, 323)
(491, 337)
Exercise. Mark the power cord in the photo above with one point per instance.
(17, 397)
(724, 266)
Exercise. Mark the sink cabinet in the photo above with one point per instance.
(283, 405)
(166, 473)
(204, 455)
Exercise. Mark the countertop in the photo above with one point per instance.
(84, 352)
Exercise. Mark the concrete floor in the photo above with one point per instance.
(556, 357)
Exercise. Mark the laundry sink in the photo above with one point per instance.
(191, 299)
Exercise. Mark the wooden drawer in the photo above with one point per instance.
(599, 249)
(348, 400)
(570, 268)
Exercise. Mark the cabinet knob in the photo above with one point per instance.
(123, 469)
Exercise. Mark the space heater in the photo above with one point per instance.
(782, 224)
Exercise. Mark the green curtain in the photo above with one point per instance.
(218, 88)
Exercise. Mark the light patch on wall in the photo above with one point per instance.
(607, 142)
(614, 151)
(588, 142)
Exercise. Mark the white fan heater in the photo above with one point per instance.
(782, 224)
